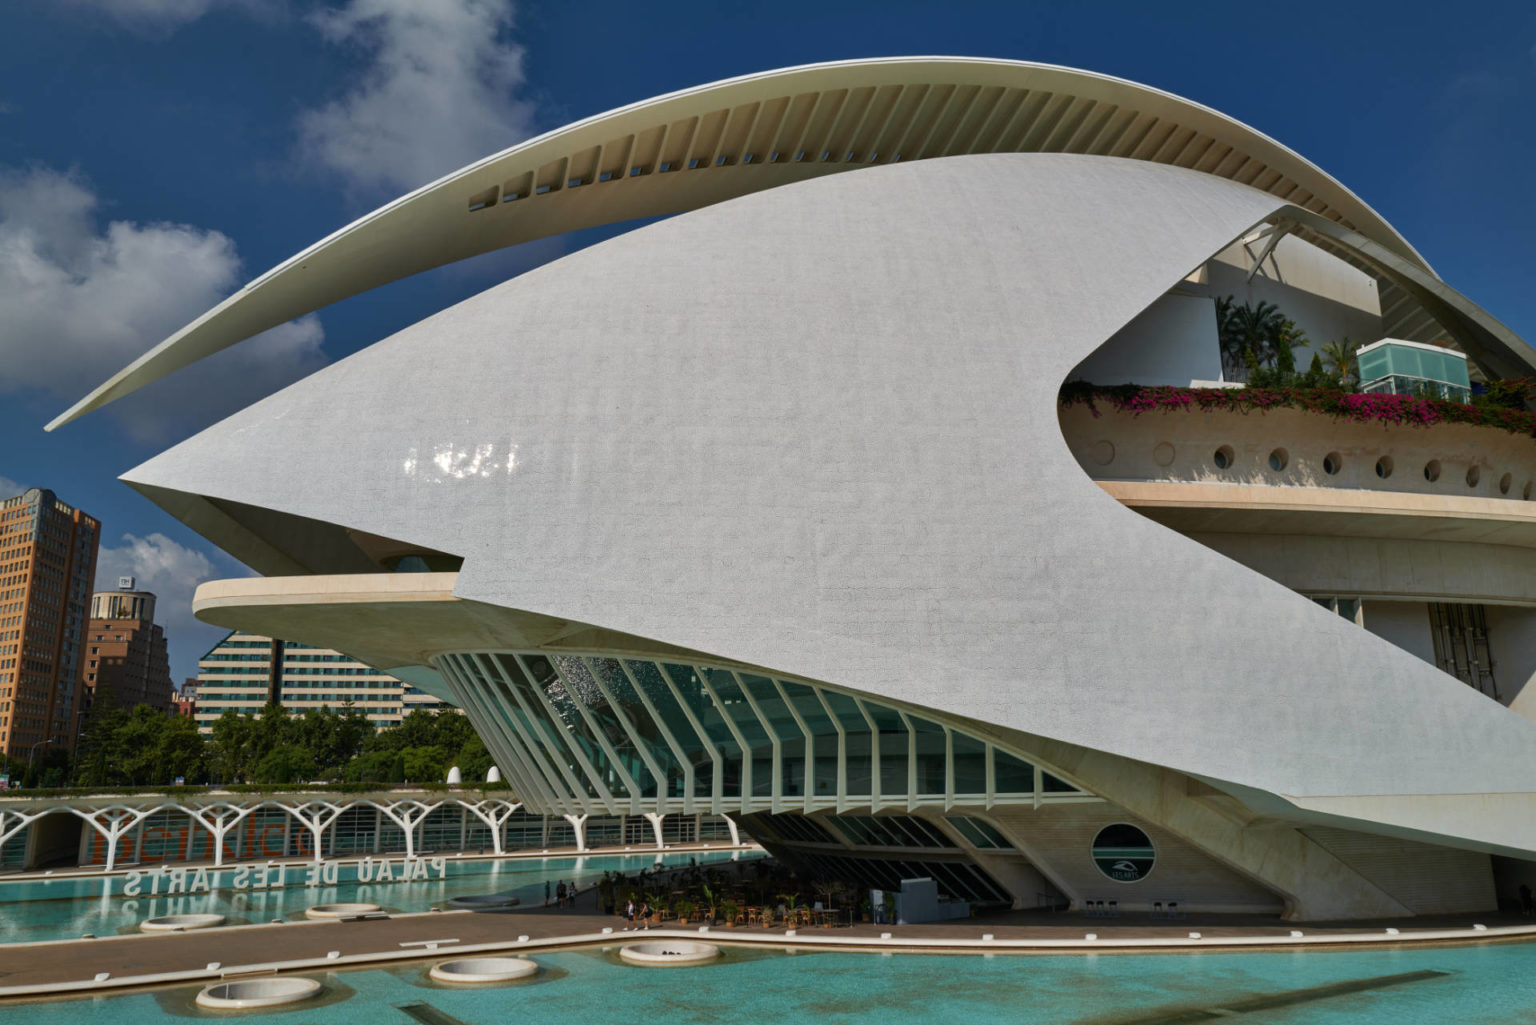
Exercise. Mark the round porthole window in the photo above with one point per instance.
(1384, 467)
(1332, 463)
(1473, 476)
(1162, 454)
(1279, 459)
(1223, 457)
(1103, 452)
(1123, 853)
(1432, 470)
(1505, 483)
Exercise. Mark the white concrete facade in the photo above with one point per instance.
(808, 439)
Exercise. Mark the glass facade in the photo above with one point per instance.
(1412, 369)
(593, 733)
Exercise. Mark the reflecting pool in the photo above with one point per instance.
(1489, 985)
(61, 909)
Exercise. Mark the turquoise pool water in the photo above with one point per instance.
(61, 909)
(1480, 986)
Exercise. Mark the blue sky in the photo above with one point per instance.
(156, 154)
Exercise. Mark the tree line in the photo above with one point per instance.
(145, 747)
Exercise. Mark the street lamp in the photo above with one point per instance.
(31, 757)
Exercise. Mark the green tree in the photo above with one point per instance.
(286, 763)
(233, 746)
(1256, 338)
(97, 754)
(183, 751)
(1339, 361)
(426, 764)
(140, 743)
(473, 760)
(451, 730)
(376, 767)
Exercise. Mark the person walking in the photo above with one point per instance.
(645, 914)
(560, 893)
(546, 893)
(629, 914)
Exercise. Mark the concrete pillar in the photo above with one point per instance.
(409, 816)
(317, 816)
(655, 821)
(494, 813)
(730, 824)
(579, 825)
(218, 819)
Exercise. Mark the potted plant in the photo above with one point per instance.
(732, 911)
(685, 910)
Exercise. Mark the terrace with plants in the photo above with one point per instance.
(1258, 346)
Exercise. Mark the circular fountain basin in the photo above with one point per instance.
(484, 969)
(340, 910)
(247, 993)
(666, 953)
(180, 923)
(484, 901)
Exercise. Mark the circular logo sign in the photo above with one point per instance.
(1123, 852)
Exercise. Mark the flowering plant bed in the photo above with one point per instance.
(1360, 407)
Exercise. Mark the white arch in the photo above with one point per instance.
(748, 134)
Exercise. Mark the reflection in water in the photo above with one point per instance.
(56, 909)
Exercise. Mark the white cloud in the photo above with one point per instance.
(9, 488)
(159, 564)
(154, 16)
(172, 571)
(441, 91)
(81, 302)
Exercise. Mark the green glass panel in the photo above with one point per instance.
(893, 749)
(970, 765)
(1013, 776)
(931, 757)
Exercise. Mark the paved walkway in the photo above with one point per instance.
(114, 963)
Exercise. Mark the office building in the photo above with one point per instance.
(244, 671)
(126, 653)
(47, 563)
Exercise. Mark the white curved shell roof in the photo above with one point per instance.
(815, 429)
(714, 142)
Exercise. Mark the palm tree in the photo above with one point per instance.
(1339, 360)
(1255, 336)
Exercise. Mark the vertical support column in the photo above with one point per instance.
(316, 816)
(494, 819)
(118, 822)
(655, 821)
(413, 815)
(730, 824)
(224, 818)
(579, 827)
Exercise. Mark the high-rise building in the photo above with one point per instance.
(244, 671)
(126, 652)
(47, 563)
